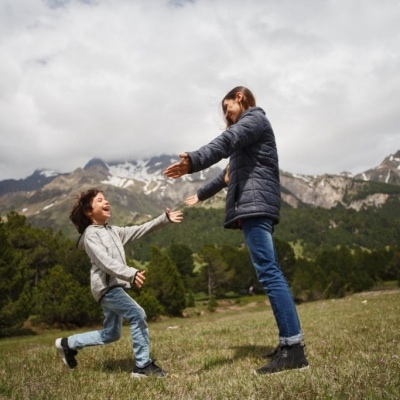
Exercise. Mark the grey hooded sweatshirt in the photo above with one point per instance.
(104, 244)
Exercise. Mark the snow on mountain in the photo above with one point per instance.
(148, 172)
(393, 158)
(137, 171)
(48, 206)
(388, 171)
(124, 175)
(118, 182)
(33, 182)
(48, 173)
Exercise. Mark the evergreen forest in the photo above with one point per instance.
(324, 253)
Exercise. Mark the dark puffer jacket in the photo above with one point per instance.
(254, 188)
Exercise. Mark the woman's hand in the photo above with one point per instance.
(192, 200)
(226, 177)
(179, 168)
(174, 216)
(139, 279)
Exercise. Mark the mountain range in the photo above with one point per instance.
(138, 190)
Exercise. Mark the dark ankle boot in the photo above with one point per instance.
(287, 357)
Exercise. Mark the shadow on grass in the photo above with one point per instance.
(116, 365)
(124, 365)
(240, 353)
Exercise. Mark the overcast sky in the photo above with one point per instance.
(129, 79)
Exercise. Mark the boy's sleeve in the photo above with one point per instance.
(130, 233)
(99, 256)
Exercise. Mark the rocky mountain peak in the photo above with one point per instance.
(95, 162)
(388, 171)
(138, 188)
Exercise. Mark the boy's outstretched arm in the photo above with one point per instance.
(174, 216)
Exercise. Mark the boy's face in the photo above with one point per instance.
(101, 210)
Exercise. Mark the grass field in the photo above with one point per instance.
(353, 346)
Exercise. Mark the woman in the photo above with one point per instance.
(252, 204)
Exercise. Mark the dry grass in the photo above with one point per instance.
(353, 346)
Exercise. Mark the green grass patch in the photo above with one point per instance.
(353, 346)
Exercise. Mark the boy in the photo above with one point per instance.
(109, 277)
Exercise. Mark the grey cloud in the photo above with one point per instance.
(118, 78)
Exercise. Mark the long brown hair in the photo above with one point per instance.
(247, 101)
(82, 206)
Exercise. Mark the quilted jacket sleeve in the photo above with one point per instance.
(248, 130)
(212, 187)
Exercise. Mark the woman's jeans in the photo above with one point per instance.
(117, 304)
(258, 235)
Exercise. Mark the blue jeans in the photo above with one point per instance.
(117, 304)
(258, 236)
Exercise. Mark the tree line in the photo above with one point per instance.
(313, 229)
(45, 280)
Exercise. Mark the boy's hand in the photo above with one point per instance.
(174, 216)
(139, 279)
(192, 200)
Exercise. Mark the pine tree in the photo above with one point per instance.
(59, 299)
(14, 304)
(215, 268)
(182, 257)
(243, 273)
(165, 282)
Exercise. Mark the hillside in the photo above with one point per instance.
(138, 190)
(352, 346)
(309, 229)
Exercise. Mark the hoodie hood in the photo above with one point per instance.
(80, 244)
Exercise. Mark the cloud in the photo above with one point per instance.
(121, 79)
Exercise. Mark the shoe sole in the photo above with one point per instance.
(139, 376)
(301, 369)
(61, 352)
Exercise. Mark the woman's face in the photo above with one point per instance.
(233, 108)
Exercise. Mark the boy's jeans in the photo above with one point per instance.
(117, 304)
(258, 236)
